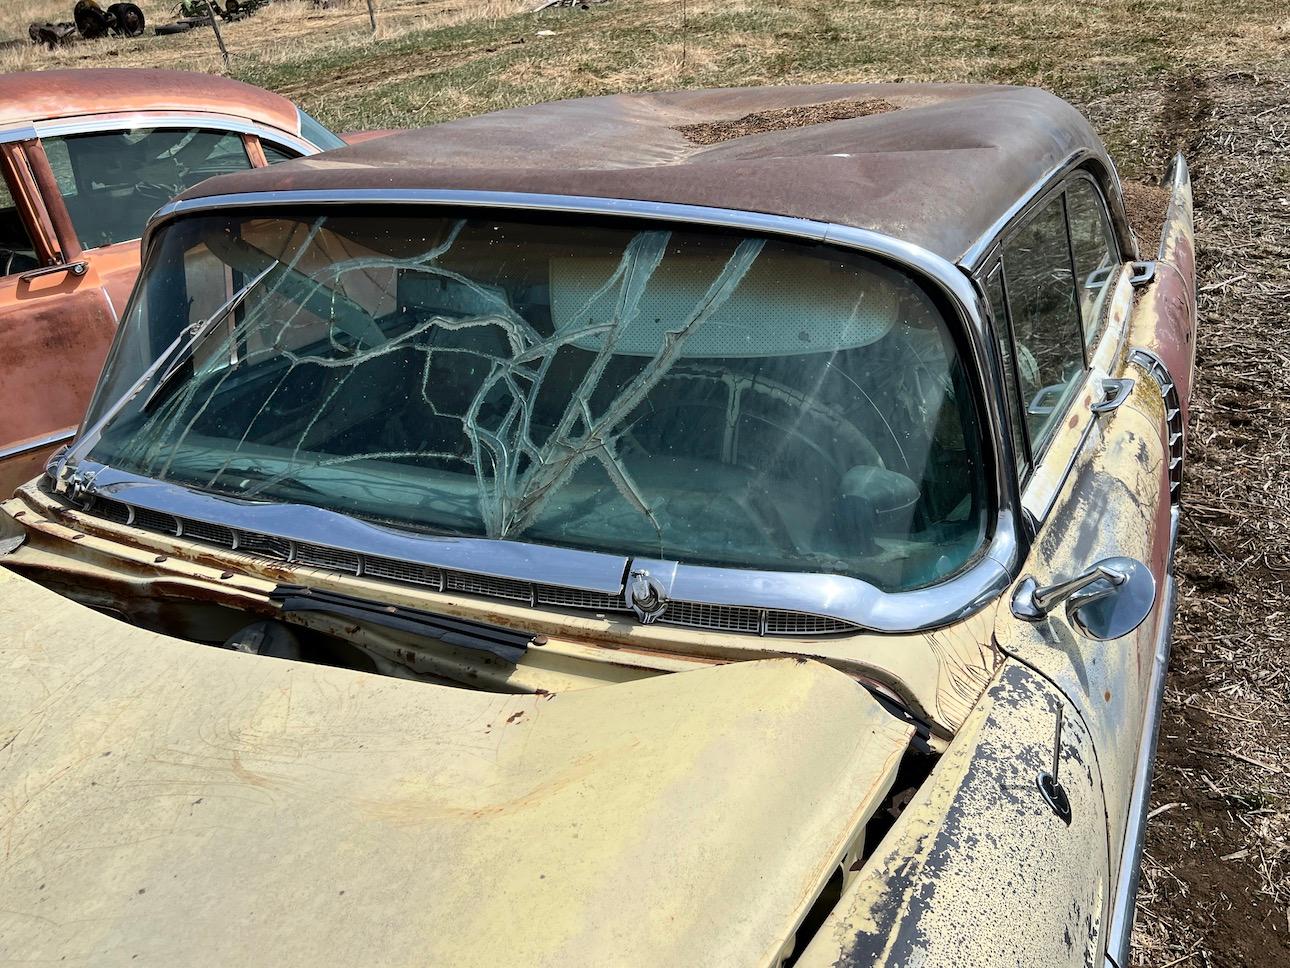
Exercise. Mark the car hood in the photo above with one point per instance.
(166, 803)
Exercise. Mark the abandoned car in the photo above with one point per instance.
(712, 528)
(86, 156)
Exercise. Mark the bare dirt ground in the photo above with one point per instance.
(1155, 77)
(1216, 881)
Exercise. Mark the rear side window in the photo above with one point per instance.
(1096, 254)
(113, 181)
(17, 252)
(320, 137)
(1045, 317)
(276, 153)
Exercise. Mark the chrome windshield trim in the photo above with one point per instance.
(847, 599)
(130, 120)
(836, 596)
(585, 570)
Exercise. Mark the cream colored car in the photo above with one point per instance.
(606, 534)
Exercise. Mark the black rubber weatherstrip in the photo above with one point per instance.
(506, 644)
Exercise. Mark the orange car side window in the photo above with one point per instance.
(17, 251)
(112, 181)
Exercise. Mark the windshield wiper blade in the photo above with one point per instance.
(170, 359)
(506, 644)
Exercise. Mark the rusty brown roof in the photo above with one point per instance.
(44, 95)
(935, 165)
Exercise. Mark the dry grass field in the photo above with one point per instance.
(1209, 79)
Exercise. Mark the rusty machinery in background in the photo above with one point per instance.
(90, 20)
(198, 13)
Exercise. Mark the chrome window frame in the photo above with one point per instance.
(130, 120)
(1083, 174)
(980, 258)
(991, 570)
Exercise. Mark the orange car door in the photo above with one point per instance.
(55, 321)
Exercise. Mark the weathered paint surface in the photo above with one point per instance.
(1116, 501)
(54, 333)
(938, 674)
(157, 795)
(978, 870)
(1168, 307)
(1111, 505)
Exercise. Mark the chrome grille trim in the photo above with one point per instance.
(722, 618)
(150, 520)
(403, 571)
(215, 534)
(330, 559)
(488, 587)
(696, 615)
(1157, 370)
(562, 597)
(263, 545)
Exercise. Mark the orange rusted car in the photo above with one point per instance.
(85, 157)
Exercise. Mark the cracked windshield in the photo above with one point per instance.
(712, 398)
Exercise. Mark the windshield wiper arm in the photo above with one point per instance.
(199, 332)
(170, 359)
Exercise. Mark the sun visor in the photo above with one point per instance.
(785, 305)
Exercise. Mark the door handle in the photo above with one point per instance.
(1114, 393)
(1045, 399)
(75, 268)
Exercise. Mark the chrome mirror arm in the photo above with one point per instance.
(1033, 603)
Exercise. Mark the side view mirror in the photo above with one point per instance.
(1110, 599)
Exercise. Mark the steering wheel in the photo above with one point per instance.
(154, 191)
(730, 405)
(6, 261)
(732, 410)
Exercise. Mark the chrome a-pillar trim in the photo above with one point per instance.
(976, 255)
(1120, 926)
(847, 599)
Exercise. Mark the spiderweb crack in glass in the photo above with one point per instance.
(671, 393)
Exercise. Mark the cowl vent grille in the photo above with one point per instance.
(696, 615)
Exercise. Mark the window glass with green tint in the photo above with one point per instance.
(641, 389)
(994, 292)
(112, 181)
(313, 131)
(1097, 259)
(17, 252)
(274, 154)
(1045, 318)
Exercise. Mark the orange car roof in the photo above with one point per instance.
(44, 95)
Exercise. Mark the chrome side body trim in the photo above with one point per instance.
(1120, 927)
(58, 437)
(843, 598)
